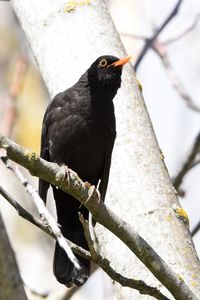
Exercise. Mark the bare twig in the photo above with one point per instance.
(139, 285)
(169, 41)
(46, 217)
(103, 263)
(185, 31)
(188, 164)
(160, 49)
(149, 42)
(14, 92)
(22, 212)
(195, 229)
(92, 232)
(56, 175)
(18, 78)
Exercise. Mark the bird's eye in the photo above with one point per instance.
(103, 63)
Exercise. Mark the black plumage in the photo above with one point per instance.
(79, 131)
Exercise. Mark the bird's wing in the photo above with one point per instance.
(105, 175)
(49, 119)
(43, 185)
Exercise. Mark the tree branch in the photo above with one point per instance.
(171, 40)
(188, 164)
(46, 217)
(185, 31)
(11, 285)
(161, 51)
(195, 229)
(149, 42)
(22, 212)
(68, 181)
(139, 285)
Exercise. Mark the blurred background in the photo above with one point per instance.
(169, 74)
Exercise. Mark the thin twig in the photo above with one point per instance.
(103, 263)
(185, 31)
(176, 83)
(188, 163)
(195, 229)
(22, 212)
(46, 217)
(171, 40)
(15, 90)
(56, 175)
(139, 285)
(149, 42)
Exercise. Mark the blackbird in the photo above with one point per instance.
(79, 131)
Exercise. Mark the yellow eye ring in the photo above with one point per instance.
(103, 63)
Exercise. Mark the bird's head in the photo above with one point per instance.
(106, 71)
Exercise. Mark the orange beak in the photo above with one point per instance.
(121, 62)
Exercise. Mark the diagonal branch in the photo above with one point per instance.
(176, 83)
(188, 164)
(184, 31)
(139, 285)
(170, 40)
(22, 212)
(149, 42)
(46, 217)
(195, 229)
(68, 181)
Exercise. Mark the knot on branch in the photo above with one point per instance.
(31, 156)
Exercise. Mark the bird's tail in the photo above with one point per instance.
(64, 270)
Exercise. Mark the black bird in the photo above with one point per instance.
(79, 131)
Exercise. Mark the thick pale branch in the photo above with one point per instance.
(68, 181)
(11, 285)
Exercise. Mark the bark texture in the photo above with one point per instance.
(11, 285)
(66, 39)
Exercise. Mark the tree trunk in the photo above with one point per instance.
(11, 285)
(65, 40)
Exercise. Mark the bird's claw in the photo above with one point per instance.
(67, 175)
(91, 192)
